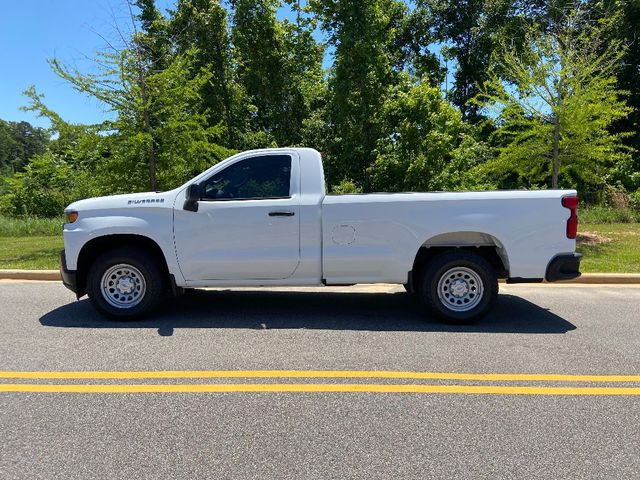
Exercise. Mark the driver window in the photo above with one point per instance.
(268, 176)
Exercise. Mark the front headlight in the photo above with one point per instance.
(72, 216)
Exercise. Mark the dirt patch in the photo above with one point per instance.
(589, 239)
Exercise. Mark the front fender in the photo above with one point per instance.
(157, 225)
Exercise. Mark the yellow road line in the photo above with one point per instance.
(318, 388)
(509, 377)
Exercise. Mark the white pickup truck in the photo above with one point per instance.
(263, 218)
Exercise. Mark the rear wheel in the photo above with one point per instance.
(125, 284)
(460, 287)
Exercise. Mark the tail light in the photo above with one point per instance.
(572, 223)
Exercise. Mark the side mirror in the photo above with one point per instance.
(194, 193)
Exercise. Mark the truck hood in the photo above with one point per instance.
(144, 199)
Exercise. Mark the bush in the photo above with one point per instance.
(45, 188)
(346, 186)
(426, 146)
(603, 214)
(40, 190)
(634, 201)
(30, 226)
(616, 198)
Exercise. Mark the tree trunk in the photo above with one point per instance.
(151, 149)
(556, 149)
(226, 96)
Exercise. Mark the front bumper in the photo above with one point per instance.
(69, 277)
(564, 267)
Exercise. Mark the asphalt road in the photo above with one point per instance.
(563, 330)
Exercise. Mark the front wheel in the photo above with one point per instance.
(125, 284)
(460, 287)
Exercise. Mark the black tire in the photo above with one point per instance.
(475, 296)
(143, 269)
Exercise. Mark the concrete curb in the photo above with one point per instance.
(586, 278)
(604, 278)
(42, 275)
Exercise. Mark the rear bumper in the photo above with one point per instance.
(564, 267)
(69, 277)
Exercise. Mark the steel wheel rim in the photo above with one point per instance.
(123, 286)
(460, 289)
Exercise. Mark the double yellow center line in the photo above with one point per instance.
(544, 384)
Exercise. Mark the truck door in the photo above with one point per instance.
(247, 226)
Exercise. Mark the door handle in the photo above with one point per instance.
(281, 214)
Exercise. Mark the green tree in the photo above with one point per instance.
(20, 141)
(627, 31)
(182, 142)
(470, 31)
(556, 104)
(77, 145)
(65, 172)
(89, 160)
(426, 146)
(366, 66)
(151, 34)
(9, 148)
(160, 135)
(304, 66)
(59, 175)
(279, 67)
(203, 24)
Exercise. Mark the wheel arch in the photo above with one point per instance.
(99, 245)
(481, 243)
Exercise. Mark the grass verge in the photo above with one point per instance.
(609, 248)
(32, 253)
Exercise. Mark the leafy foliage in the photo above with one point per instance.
(424, 95)
(627, 32)
(474, 30)
(202, 26)
(160, 137)
(365, 38)
(555, 104)
(279, 67)
(346, 187)
(43, 188)
(426, 145)
(20, 141)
